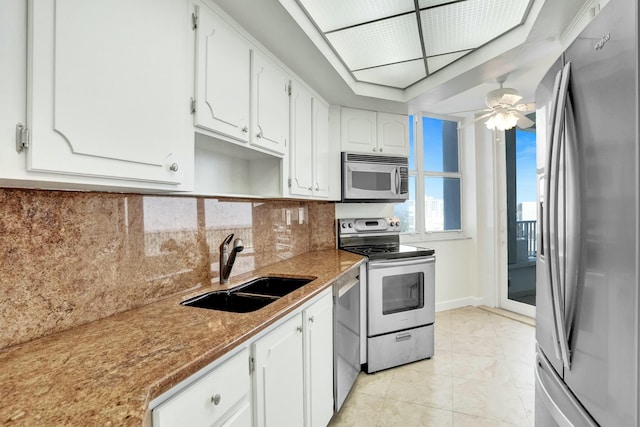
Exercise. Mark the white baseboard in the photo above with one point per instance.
(460, 302)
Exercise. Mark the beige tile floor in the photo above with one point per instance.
(481, 375)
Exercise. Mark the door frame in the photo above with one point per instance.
(501, 249)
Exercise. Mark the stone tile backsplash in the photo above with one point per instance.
(69, 258)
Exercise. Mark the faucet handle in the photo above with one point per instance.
(226, 241)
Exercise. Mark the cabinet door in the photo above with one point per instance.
(322, 154)
(358, 131)
(318, 320)
(393, 134)
(270, 105)
(279, 376)
(301, 154)
(107, 89)
(223, 76)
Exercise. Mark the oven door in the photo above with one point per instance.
(401, 294)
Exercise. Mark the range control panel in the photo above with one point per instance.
(368, 225)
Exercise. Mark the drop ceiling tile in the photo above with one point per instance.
(395, 75)
(430, 3)
(437, 62)
(378, 43)
(333, 14)
(469, 24)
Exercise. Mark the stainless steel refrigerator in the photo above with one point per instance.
(587, 270)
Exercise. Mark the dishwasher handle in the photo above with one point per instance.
(340, 290)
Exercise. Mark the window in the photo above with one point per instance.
(435, 180)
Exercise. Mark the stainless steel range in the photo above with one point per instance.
(400, 289)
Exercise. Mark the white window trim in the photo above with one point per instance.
(421, 235)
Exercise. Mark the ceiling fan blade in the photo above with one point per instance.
(484, 116)
(477, 119)
(526, 108)
(523, 121)
(510, 99)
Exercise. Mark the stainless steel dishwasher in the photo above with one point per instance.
(346, 335)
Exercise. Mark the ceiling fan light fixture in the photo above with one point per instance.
(502, 121)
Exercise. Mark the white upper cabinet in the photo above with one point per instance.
(393, 134)
(223, 73)
(240, 93)
(270, 105)
(358, 131)
(301, 155)
(324, 157)
(309, 154)
(108, 89)
(371, 132)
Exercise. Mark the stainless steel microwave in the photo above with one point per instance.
(367, 178)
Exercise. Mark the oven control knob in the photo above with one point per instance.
(344, 225)
(350, 225)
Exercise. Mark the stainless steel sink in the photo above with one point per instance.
(249, 296)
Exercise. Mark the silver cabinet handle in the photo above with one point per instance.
(259, 134)
(245, 129)
(380, 150)
(299, 329)
(173, 167)
(216, 399)
(375, 150)
(317, 187)
(311, 319)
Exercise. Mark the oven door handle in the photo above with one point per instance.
(404, 262)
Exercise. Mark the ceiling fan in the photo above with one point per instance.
(504, 110)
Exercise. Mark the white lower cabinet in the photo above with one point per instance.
(220, 398)
(294, 369)
(318, 358)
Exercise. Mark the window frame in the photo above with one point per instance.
(419, 174)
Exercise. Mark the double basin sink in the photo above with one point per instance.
(249, 296)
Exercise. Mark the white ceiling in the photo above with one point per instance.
(525, 53)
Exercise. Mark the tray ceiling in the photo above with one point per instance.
(399, 43)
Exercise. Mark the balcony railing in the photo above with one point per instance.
(526, 230)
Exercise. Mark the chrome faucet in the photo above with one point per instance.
(226, 259)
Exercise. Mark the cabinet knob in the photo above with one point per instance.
(311, 319)
(381, 150)
(215, 399)
(173, 167)
(317, 187)
(375, 149)
(310, 188)
(245, 129)
(259, 134)
(299, 329)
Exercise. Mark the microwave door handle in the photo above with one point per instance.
(397, 180)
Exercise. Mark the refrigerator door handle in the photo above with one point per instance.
(574, 202)
(551, 202)
(559, 130)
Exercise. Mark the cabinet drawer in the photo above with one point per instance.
(211, 398)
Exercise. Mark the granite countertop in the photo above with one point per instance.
(106, 372)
